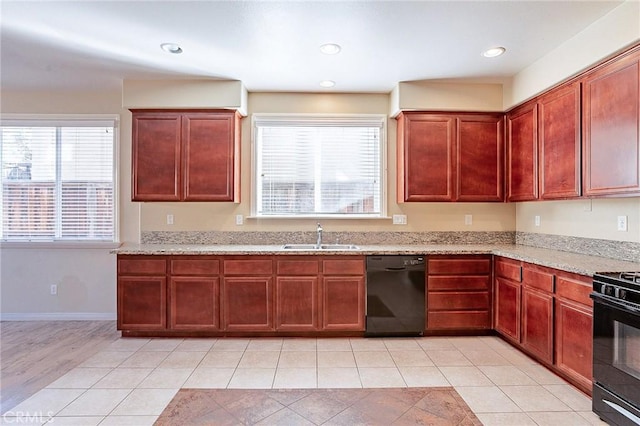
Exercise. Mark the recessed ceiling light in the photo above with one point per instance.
(327, 83)
(493, 52)
(171, 48)
(330, 48)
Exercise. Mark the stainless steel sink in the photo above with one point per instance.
(321, 247)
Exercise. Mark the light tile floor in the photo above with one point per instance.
(133, 380)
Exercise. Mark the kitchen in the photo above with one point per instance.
(83, 295)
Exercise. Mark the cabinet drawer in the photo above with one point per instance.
(194, 266)
(459, 320)
(248, 267)
(297, 267)
(473, 300)
(538, 279)
(343, 267)
(458, 283)
(574, 289)
(135, 266)
(509, 269)
(469, 266)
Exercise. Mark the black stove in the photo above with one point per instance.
(616, 347)
(623, 286)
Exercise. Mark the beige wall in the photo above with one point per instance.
(616, 30)
(595, 218)
(420, 216)
(86, 277)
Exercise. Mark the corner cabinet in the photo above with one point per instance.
(450, 157)
(611, 125)
(185, 155)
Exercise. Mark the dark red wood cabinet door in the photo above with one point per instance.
(247, 303)
(537, 326)
(574, 341)
(611, 123)
(209, 156)
(142, 303)
(343, 303)
(194, 303)
(297, 303)
(480, 158)
(156, 156)
(426, 148)
(522, 152)
(559, 139)
(507, 308)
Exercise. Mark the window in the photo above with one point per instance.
(318, 166)
(57, 179)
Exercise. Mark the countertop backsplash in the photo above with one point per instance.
(307, 237)
(619, 250)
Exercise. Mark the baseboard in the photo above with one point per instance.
(58, 316)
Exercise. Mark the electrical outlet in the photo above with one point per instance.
(169, 219)
(537, 220)
(399, 219)
(468, 219)
(54, 289)
(239, 219)
(622, 223)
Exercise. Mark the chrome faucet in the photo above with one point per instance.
(319, 232)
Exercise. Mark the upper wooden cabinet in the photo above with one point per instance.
(450, 157)
(611, 125)
(543, 140)
(185, 155)
(559, 143)
(522, 147)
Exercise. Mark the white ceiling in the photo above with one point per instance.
(274, 45)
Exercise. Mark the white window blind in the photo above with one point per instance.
(318, 166)
(57, 180)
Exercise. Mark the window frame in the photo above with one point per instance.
(62, 120)
(300, 118)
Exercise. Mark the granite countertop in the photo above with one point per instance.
(565, 261)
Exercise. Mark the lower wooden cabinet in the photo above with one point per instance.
(537, 311)
(194, 303)
(548, 316)
(537, 323)
(194, 289)
(297, 303)
(200, 295)
(458, 293)
(574, 329)
(343, 303)
(343, 294)
(507, 308)
(247, 304)
(142, 303)
(142, 293)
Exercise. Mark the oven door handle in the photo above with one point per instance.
(614, 303)
(629, 415)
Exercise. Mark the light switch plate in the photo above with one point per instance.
(536, 220)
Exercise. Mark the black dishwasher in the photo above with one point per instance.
(395, 296)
